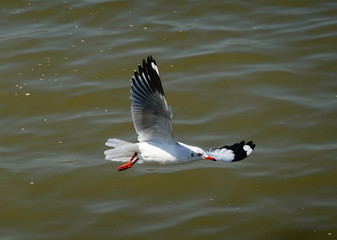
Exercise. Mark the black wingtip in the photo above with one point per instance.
(239, 150)
(251, 144)
(151, 59)
(149, 69)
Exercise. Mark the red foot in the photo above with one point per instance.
(125, 166)
(129, 164)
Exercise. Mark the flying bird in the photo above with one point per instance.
(152, 119)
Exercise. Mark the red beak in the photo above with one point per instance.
(210, 158)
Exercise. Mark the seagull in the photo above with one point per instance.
(152, 119)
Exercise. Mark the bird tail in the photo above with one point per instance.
(232, 153)
(122, 151)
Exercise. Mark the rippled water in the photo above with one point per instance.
(235, 70)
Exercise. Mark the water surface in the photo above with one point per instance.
(231, 71)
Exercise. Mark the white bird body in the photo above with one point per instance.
(173, 153)
(153, 152)
(152, 118)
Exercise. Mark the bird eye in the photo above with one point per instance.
(192, 155)
(199, 154)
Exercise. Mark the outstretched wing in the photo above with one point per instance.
(151, 115)
(232, 153)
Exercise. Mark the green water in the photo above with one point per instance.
(234, 70)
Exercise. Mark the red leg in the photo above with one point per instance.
(129, 164)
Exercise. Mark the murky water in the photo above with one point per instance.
(236, 70)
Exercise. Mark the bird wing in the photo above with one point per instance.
(151, 115)
(232, 153)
